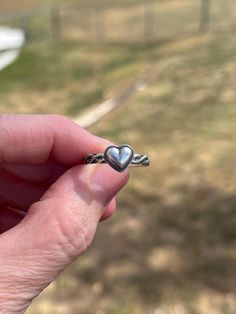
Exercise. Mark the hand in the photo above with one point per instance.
(50, 204)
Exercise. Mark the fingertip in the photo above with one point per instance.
(103, 141)
(107, 182)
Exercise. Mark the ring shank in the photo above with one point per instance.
(139, 160)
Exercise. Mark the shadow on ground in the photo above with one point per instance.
(153, 251)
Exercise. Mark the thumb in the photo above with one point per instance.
(56, 230)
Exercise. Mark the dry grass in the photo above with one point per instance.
(8, 7)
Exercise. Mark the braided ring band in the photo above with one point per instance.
(119, 158)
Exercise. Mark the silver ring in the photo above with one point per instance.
(118, 157)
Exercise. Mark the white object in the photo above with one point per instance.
(11, 42)
(11, 38)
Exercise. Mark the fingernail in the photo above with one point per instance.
(106, 182)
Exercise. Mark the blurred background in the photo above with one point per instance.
(160, 76)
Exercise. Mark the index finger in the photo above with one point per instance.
(33, 139)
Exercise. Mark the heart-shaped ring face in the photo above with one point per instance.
(119, 157)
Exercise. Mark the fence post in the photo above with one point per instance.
(204, 15)
(98, 23)
(148, 20)
(55, 21)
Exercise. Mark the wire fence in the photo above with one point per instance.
(133, 21)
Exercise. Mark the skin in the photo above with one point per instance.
(50, 203)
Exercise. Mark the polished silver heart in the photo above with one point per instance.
(119, 157)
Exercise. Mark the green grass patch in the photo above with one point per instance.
(83, 100)
(34, 69)
(80, 75)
